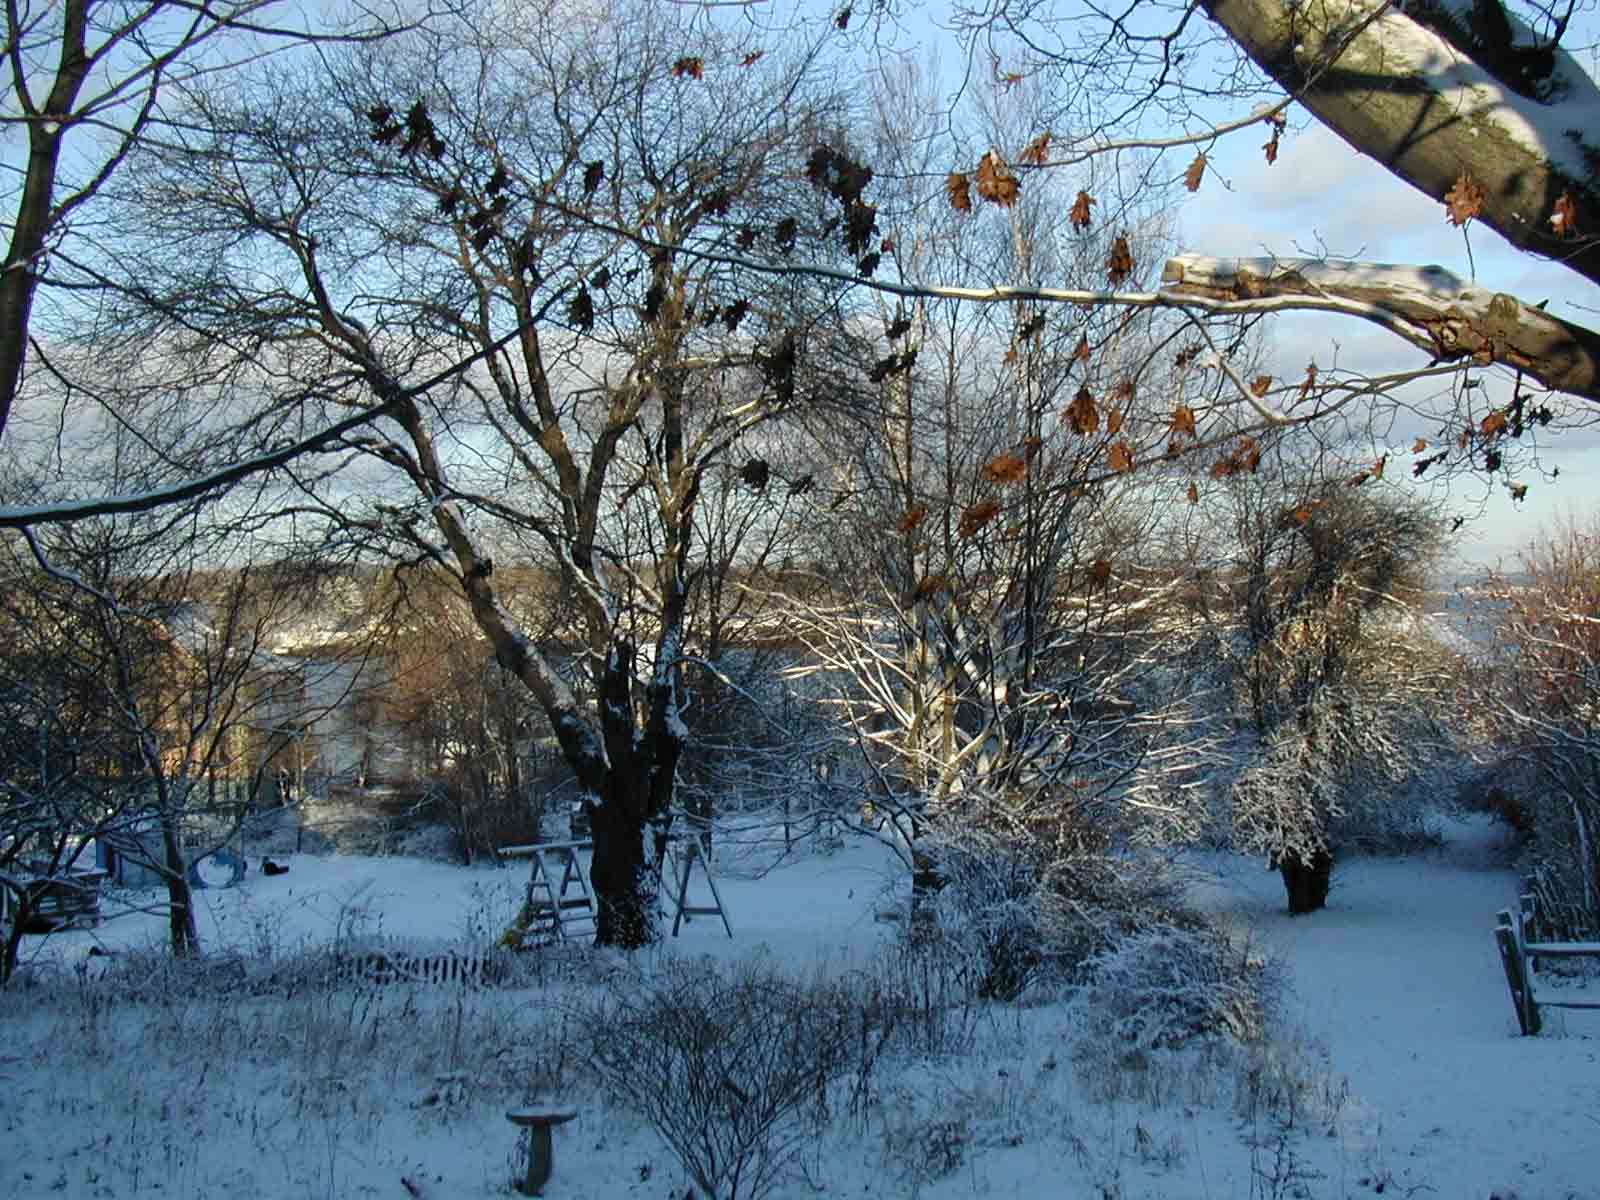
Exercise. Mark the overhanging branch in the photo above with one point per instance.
(1433, 309)
(1428, 306)
(1430, 107)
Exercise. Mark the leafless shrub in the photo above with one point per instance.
(731, 1068)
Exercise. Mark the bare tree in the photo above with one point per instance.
(87, 80)
(990, 608)
(452, 198)
(149, 699)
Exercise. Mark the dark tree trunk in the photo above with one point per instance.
(926, 882)
(180, 898)
(21, 913)
(622, 876)
(1306, 881)
(631, 793)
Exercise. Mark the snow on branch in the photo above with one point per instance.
(1437, 91)
(1428, 306)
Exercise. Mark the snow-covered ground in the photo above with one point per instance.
(1396, 1069)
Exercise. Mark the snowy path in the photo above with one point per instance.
(1400, 981)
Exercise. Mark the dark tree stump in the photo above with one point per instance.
(1306, 882)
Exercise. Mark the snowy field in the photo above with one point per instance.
(1394, 1069)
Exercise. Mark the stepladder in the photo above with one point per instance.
(557, 905)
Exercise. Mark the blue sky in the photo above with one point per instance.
(1323, 197)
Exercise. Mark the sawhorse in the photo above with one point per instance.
(548, 909)
(686, 850)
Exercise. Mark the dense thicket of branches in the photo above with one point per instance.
(663, 353)
(1536, 696)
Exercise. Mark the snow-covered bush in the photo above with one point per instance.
(731, 1067)
(1165, 986)
(1020, 904)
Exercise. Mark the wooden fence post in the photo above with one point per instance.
(1509, 939)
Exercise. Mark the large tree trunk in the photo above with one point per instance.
(17, 908)
(626, 756)
(1431, 97)
(622, 872)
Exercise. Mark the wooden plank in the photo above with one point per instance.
(540, 847)
(1522, 1000)
(1564, 949)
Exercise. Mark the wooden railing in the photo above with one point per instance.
(1520, 955)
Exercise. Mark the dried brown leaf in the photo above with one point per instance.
(1249, 454)
(996, 183)
(1310, 381)
(1083, 416)
(913, 517)
(1194, 494)
(1465, 200)
(976, 516)
(689, 66)
(1005, 468)
(1037, 152)
(958, 187)
(1078, 214)
(1119, 263)
(1183, 420)
(1081, 353)
(1121, 457)
(1270, 147)
(1419, 445)
(1565, 219)
(1195, 173)
(1100, 572)
(1261, 385)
